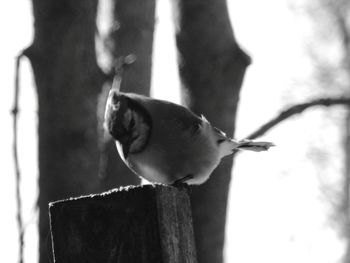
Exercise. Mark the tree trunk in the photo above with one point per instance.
(345, 206)
(212, 68)
(68, 81)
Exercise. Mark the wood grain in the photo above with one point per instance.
(133, 224)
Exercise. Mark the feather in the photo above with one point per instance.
(254, 146)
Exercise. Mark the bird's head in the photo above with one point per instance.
(117, 115)
(224, 143)
(127, 121)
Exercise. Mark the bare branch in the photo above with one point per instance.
(14, 112)
(297, 109)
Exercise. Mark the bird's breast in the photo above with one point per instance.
(166, 162)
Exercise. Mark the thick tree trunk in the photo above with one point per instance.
(132, 34)
(68, 81)
(211, 67)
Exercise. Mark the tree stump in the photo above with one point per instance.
(142, 224)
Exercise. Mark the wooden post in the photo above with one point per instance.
(140, 224)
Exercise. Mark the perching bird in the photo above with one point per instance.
(166, 143)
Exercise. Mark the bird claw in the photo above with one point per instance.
(182, 181)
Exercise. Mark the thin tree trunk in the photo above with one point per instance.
(133, 34)
(68, 81)
(212, 68)
(346, 189)
(341, 15)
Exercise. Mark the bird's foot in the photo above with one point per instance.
(181, 183)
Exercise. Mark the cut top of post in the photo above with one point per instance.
(144, 224)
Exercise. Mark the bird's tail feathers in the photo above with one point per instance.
(254, 146)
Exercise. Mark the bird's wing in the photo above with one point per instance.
(173, 118)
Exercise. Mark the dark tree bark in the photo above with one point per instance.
(68, 81)
(212, 68)
(132, 34)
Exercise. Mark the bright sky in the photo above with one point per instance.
(277, 212)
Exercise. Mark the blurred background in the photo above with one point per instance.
(287, 205)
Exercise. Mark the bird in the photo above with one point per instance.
(166, 143)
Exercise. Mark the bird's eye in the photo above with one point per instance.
(131, 123)
(220, 141)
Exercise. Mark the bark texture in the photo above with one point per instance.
(212, 67)
(68, 81)
(148, 224)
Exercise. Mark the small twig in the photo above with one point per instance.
(120, 65)
(15, 111)
(103, 138)
(297, 109)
